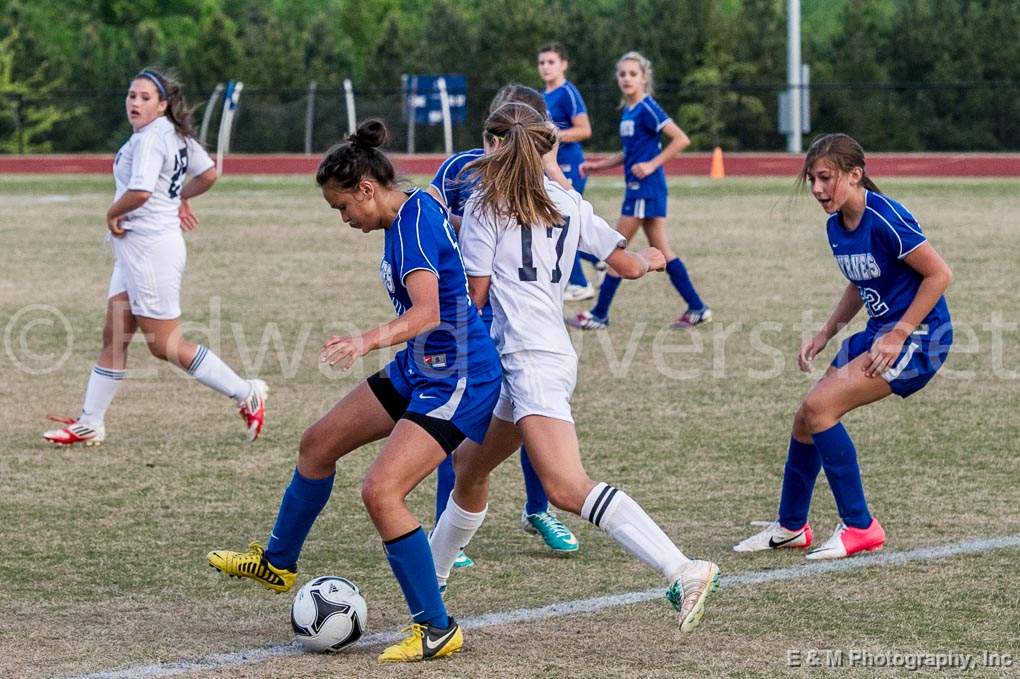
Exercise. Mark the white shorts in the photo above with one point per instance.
(536, 383)
(150, 267)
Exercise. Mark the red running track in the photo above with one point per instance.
(690, 164)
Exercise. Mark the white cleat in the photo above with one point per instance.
(776, 537)
(75, 432)
(577, 293)
(690, 590)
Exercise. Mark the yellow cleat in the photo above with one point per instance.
(688, 592)
(425, 642)
(252, 564)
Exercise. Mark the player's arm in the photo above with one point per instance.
(579, 130)
(630, 265)
(196, 186)
(131, 200)
(603, 164)
(847, 307)
(678, 141)
(478, 287)
(423, 289)
(936, 277)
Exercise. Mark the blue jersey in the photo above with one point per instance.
(421, 239)
(871, 257)
(564, 104)
(639, 131)
(454, 188)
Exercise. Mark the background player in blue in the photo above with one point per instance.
(897, 275)
(437, 391)
(453, 190)
(644, 202)
(567, 110)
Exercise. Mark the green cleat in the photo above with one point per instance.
(556, 535)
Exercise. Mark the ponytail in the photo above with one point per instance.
(357, 157)
(511, 180)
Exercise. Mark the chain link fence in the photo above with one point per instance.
(884, 117)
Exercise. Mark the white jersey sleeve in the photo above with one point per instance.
(198, 158)
(478, 236)
(147, 159)
(597, 237)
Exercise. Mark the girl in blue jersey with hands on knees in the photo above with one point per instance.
(453, 189)
(437, 391)
(644, 202)
(567, 111)
(899, 278)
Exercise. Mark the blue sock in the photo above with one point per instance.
(537, 501)
(802, 466)
(588, 258)
(411, 560)
(682, 282)
(839, 460)
(301, 504)
(577, 276)
(606, 294)
(445, 479)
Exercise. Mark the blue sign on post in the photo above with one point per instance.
(424, 101)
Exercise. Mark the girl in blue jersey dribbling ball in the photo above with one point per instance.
(899, 278)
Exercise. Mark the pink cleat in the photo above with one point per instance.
(847, 541)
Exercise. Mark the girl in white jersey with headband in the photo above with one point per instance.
(145, 221)
(518, 238)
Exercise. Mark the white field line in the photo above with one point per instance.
(221, 660)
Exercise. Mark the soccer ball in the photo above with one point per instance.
(328, 614)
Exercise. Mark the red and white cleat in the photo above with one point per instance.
(253, 408)
(75, 432)
(847, 541)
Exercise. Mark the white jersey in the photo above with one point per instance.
(530, 267)
(156, 159)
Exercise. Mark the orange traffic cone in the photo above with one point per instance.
(717, 171)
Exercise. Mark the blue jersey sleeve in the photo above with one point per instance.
(576, 102)
(900, 232)
(653, 117)
(445, 182)
(417, 245)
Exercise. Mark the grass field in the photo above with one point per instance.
(102, 551)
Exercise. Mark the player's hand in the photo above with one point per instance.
(585, 168)
(344, 350)
(884, 352)
(809, 350)
(188, 218)
(654, 257)
(113, 224)
(642, 170)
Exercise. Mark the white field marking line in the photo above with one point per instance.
(212, 662)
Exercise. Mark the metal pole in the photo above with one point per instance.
(410, 92)
(793, 139)
(310, 118)
(352, 123)
(208, 113)
(444, 103)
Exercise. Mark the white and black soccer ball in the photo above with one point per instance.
(328, 614)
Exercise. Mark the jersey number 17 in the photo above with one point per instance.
(528, 273)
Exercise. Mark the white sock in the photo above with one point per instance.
(453, 532)
(211, 371)
(617, 514)
(102, 387)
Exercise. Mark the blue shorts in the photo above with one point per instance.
(573, 173)
(919, 360)
(465, 400)
(644, 207)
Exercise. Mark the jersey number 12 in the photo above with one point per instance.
(529, 272)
